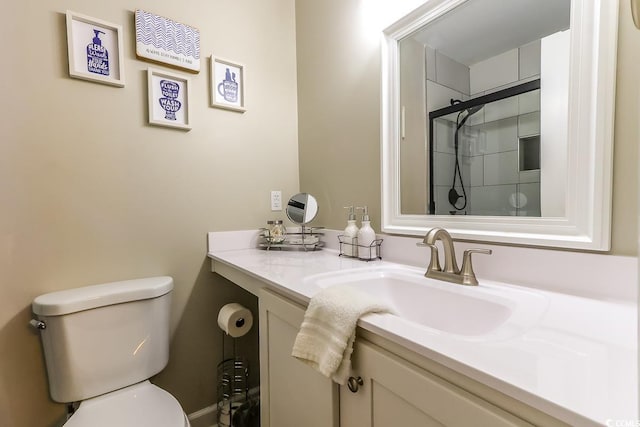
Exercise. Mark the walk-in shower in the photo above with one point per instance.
(484, 154)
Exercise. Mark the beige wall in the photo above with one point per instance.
(339, 115)
(89, 192)
(626, 136)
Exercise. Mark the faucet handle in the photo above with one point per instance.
(478, 251)
(467, 273)
(434, 264)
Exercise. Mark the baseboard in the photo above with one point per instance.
(207, 417)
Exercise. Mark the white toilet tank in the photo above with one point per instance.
(104, 337)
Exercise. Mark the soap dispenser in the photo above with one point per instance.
(366, 236)
(349, 239)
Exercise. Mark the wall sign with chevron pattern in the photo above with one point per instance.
(163, 40)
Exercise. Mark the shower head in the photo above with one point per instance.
(470, 112)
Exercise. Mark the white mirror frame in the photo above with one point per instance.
(594, 25)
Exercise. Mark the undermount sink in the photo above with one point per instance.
(472, 312)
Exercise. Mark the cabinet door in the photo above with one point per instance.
(292, 394)
(397, 393)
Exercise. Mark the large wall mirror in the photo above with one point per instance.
(497, 121)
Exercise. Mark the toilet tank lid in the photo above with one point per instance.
(88, 297)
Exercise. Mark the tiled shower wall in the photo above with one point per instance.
(489, 141)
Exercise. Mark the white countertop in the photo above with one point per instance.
(577, 363)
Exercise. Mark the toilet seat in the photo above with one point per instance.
(139, 405)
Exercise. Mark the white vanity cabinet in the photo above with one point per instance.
(394, 391)
(292, 394)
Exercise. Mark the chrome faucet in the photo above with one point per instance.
(451, 272)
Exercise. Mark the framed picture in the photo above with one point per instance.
(162, 40)
(168, 99)
(95, 50)
(227, 84)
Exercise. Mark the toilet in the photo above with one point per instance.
(101, 345)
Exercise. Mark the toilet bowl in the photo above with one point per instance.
(101, 344)
(142, 404)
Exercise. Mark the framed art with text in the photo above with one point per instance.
(168, 99)
(162, 40)
(95, 50)
(227, 84)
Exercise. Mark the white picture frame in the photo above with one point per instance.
(169, 96)
(227, 88)
(95, 50)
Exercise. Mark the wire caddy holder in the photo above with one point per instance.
(306, 239)
(233, 386)
(374, 250)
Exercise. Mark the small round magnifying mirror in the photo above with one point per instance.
(302, 208)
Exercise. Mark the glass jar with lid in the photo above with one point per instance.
(276, 230)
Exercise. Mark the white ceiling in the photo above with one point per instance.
(480, 29)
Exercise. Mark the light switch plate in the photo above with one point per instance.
(276, 200)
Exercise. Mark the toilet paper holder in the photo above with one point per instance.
(234, 321)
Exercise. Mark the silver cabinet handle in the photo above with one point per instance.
(354, 383)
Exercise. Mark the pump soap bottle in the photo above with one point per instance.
(97, 56)
(349, 239)
(366, 236)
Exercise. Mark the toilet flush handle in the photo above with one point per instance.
(38, 324)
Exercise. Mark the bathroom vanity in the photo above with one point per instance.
(385, 388)
(552, 359)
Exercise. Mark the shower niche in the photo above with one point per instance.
(485, 156)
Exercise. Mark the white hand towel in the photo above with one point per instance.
(325, 339)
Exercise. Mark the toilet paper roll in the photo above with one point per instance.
(235, 319)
